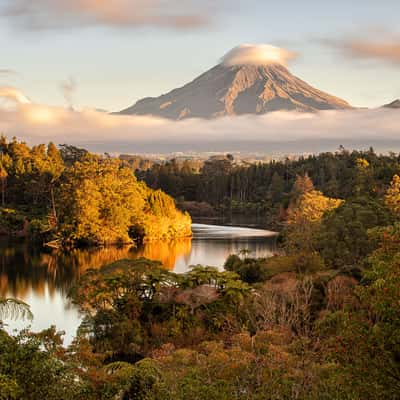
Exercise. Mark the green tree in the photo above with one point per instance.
(343, 236)
(32, 368)
(277, 187)
(364, 343)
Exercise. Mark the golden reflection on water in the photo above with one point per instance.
(24, 270)
(166, 252)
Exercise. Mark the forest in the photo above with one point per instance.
(69, 197)
(220, 186)
(318, 320)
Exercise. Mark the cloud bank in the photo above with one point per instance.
(277, 131)
(51, 14)
(257, 54)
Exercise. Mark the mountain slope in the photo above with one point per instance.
(393, 104)
(236, 90)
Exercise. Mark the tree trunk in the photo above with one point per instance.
(53, 205)
(3, 191)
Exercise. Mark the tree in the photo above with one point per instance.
(304, 218)
(34, 368)
(101, 202)
(364, 179)
(54, 168)
(142, 381)
(277, 187)
(343, 238)
(392, 196)
(3, 179)
(364, 341)
(302, 185)
(71, 154)
(236, 291)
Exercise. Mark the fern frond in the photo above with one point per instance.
(14, 309)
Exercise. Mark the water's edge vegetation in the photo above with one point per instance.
(74, 198)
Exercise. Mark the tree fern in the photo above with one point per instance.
(14, 309)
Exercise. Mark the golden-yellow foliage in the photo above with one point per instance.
(392, 197)
(362, 163)
(101, 202)
(304, 218)
(311, 207)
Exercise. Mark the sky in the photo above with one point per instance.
(114, 63)
(105, 55)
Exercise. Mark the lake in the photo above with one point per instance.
(43, 278)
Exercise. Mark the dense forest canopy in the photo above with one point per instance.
(266, 188)
(74, 197)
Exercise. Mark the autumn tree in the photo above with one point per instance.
(392, 196)
(304, 218)
(99, 201)
(302, 185)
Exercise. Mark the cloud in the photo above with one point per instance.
(383, 51)
(378, 45)
(279, 131)
(7, 72)
(68, 89)
(13, 95)
(257, 54)
(50, 14)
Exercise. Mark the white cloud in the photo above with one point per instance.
(288, 131)
(257, 54)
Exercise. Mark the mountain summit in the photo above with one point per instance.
(245, 82)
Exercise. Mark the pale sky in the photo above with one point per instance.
(119, 51)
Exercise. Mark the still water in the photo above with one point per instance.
(43, 278)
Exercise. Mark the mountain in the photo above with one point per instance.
(393, 104)
(236, 90)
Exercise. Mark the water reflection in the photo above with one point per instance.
(167, 252)
(43, 278)
(24, 269)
